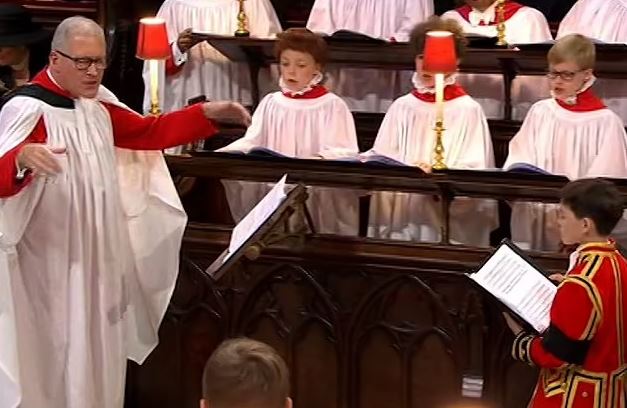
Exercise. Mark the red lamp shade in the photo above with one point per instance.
(439, 54)
(152, 41)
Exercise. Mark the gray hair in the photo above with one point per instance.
(73, 27)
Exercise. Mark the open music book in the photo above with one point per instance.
(513, 280)
(527, 168)
(373, 158)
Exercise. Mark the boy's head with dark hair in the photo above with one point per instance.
(589, 211)
(244, 373)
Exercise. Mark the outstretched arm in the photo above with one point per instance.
(136, 132)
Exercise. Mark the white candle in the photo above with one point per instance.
(154, 82)
(439, 97)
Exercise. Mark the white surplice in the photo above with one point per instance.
(407, 135)
(603, 21)
(322, 127)
(527, 25)
(88, 260)
(574, 144)
(369, 90)
(206, 71)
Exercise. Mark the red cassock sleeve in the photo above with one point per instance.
(170, 66)
(575, 316)
(136, 132)
(9, 185)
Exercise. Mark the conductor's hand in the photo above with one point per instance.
(187, 40)
(40, 158)
(512, 324)
(226, 112)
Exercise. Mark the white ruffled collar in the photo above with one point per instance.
(476, 17)
(316, 80)
(572, 100)
(423, 89)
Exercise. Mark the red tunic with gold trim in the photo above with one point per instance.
(582, 353)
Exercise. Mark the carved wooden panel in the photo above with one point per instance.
(358, 328)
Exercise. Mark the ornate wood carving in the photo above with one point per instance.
(360, 325)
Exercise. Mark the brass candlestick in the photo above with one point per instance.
(242, 21)
(438, 150)
(500, 23)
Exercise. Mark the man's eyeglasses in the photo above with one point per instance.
(564, 75)
(83, 63)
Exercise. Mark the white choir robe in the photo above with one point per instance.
(320, 127)
(369, 90)
(88, 258)
(407, 135)
(603, 21)
(204, 70)
(526, 25)
(573, 144)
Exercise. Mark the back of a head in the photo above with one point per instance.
(75, 26)
(418, 34)
(596, 199)
(244, 373)
(573, 48)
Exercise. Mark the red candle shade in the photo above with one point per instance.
(152, 41)
(439, 54)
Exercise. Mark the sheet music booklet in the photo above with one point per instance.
(519, 285)
(257, 217)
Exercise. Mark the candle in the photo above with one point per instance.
(439, 97)
(154, 82)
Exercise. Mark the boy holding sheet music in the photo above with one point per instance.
(582, 354)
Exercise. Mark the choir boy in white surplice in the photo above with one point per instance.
(407, 135)
(303, 120)
(195, 68)
(90, 228)
(603, 21)
(572, 134)
(522, 25)
(369, 90)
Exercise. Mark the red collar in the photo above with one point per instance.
(43, 79)
(315, 92)
(587, 101)
(450, 92)
(511, 8)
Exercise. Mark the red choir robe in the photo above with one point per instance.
(89, 256)
(582, 353)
